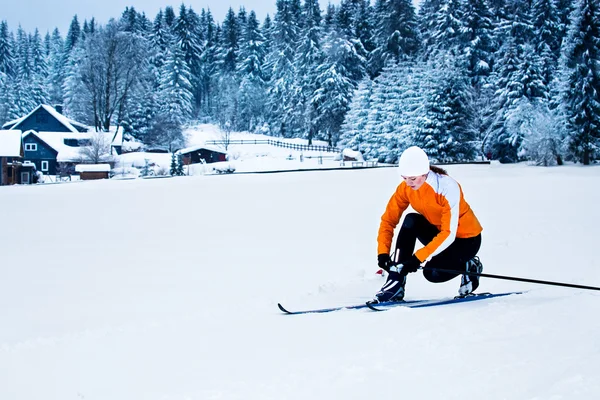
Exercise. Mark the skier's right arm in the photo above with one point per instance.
(389, 220)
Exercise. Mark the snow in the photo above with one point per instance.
(243, 157)
(10, 143)
(164, 289)
(67, 153)
(92, 168)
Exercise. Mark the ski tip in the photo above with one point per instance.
(283, 309)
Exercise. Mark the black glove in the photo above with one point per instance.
(412, 264)
(383, 260)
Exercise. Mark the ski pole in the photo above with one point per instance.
(512, 278)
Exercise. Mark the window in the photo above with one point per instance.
(45, 166)
(30, 146)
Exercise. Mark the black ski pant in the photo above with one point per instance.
(454, 257)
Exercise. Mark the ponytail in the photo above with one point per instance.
(438, 170)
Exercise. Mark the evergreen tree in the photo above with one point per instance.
(160, 39)
(7, 70)
(39, 70)
(582, 96)
(230, 43)
(252, 93)
(208, 76)
(73, 35)
(24, 101)
(187, 35)
(353, 131)
(564, 9)
(179, 167)
(175, 88)
(309, 56)
(174, 165)
(477, 40)
(281, 92)
(445, 132)
(364, 27)
(396, 33)
(443, 27)
(332, 97)
(55, 68)
(547, 27)
(170, 16)
(7, 57)
(396, 107)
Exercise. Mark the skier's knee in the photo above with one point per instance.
(435, 276)
(410, 221)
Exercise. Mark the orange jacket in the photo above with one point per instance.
(440, 200)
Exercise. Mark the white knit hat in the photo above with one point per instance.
(413, 162)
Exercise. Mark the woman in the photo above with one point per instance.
(444, 224)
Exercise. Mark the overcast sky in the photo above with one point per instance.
(48, 14)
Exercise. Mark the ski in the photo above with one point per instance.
(349, 307)
(406, 303)
(441, 302)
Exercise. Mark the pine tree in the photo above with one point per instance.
(477, 40)
(444, 131)
(336, 79)
(24, 101)
(73, 35)
(353, 130)
(170, 16)
(7, 56)
(56, 71)
(582, 97)
(230, 43)
(396, 33)
(187, 36)
(160, 39)
(179, 167)
(547, 27)
(252, 94)
(364, 27)
(208, 76)
(175, 89)
(309, 56)
(442, 26)
(396, 109)
(173, 170)
(39, 70)
(281, 60)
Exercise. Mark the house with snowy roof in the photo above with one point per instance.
(54, 143)
(45, 118)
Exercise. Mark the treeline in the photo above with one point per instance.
(506, 79)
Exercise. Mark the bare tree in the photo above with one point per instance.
(111, 63)
(99, 149)
(225, 135)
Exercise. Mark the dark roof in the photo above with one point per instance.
(69, 124)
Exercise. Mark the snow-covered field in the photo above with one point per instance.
(166, 289)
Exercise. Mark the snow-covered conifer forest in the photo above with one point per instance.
(509, 80)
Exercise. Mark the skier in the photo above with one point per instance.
(444, 224)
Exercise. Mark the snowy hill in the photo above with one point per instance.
(167, 289)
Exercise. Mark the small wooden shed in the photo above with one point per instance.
(92, 171)
(199, 154)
